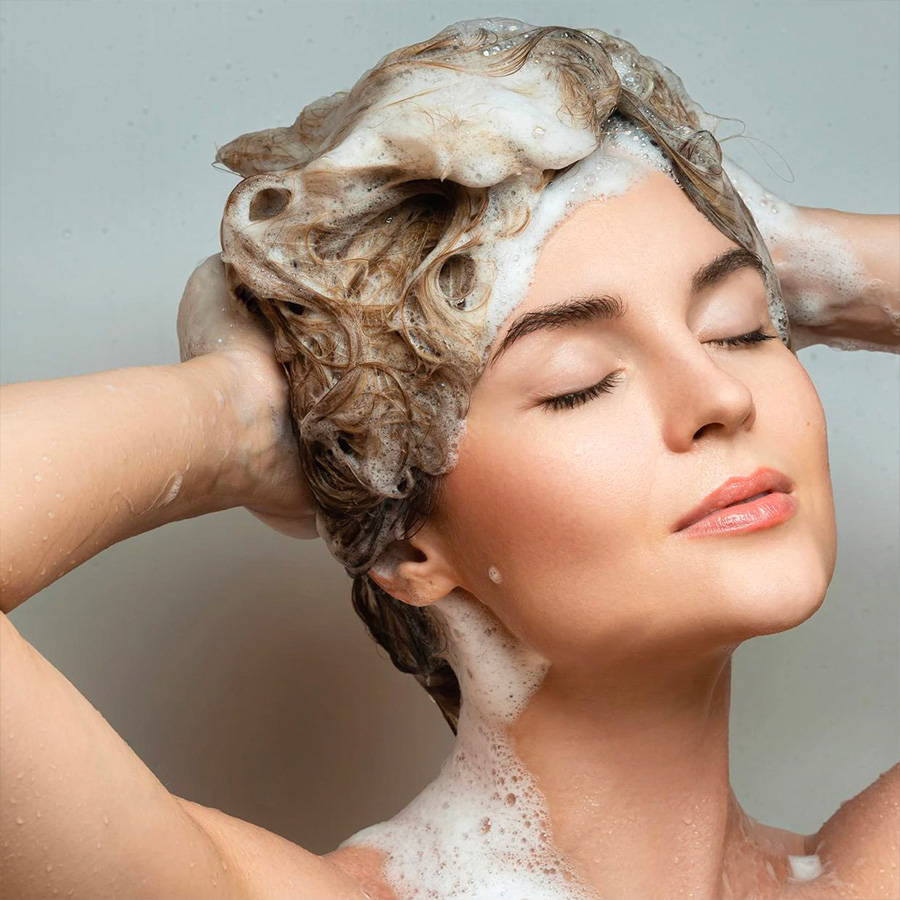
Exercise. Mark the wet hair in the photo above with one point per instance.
(362, 232)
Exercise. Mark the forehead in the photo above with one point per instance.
(649, 237)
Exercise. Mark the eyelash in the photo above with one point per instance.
(576, 398)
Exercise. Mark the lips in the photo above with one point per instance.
(737, 490)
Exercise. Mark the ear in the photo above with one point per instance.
(417, 570)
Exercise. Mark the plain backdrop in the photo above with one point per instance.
(227, 655)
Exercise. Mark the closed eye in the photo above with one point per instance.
(576, 398)
(751, 337)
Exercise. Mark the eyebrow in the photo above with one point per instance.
(608, 307)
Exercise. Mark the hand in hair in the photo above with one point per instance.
(212, 320)
(839, 271)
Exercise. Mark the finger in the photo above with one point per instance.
(209, 317)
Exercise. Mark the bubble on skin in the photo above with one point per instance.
(494, 575)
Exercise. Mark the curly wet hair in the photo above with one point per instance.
(362, 234)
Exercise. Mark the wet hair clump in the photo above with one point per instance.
(362, 234)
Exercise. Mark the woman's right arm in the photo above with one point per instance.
(81, 814)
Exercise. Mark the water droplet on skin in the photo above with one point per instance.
(20, 820)
(38, 477)
(51, 515)
(494, 575)
(46, 459)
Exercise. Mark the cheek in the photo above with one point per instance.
(560, 510)
(796, 411)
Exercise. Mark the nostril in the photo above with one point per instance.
(268, 202)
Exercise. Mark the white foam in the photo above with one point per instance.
(624, 157)
(805, 868)
(339, 162)
(480, 829)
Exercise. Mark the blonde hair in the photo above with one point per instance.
(362, 256)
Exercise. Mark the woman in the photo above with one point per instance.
(538, 570)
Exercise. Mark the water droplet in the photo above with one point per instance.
(20, 820)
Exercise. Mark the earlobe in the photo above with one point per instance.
(414, 571)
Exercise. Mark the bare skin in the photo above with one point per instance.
(89, 808)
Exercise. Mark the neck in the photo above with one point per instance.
(578, 784)
(633, 766)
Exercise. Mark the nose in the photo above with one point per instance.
(702, 395)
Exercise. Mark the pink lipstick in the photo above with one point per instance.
(760, 500)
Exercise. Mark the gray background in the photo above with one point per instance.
(227, 655)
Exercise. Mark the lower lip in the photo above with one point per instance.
(763, 512)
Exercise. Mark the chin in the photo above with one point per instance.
(781, 588)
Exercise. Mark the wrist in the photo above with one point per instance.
(231, 426)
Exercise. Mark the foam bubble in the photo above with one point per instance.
(805, 868)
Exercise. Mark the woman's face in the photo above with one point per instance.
(561, 520)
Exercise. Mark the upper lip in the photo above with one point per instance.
(735, 489)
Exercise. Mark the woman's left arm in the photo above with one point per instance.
(839, 271)
(842, 288)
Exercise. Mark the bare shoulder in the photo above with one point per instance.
(860, 843)
(270, 867)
